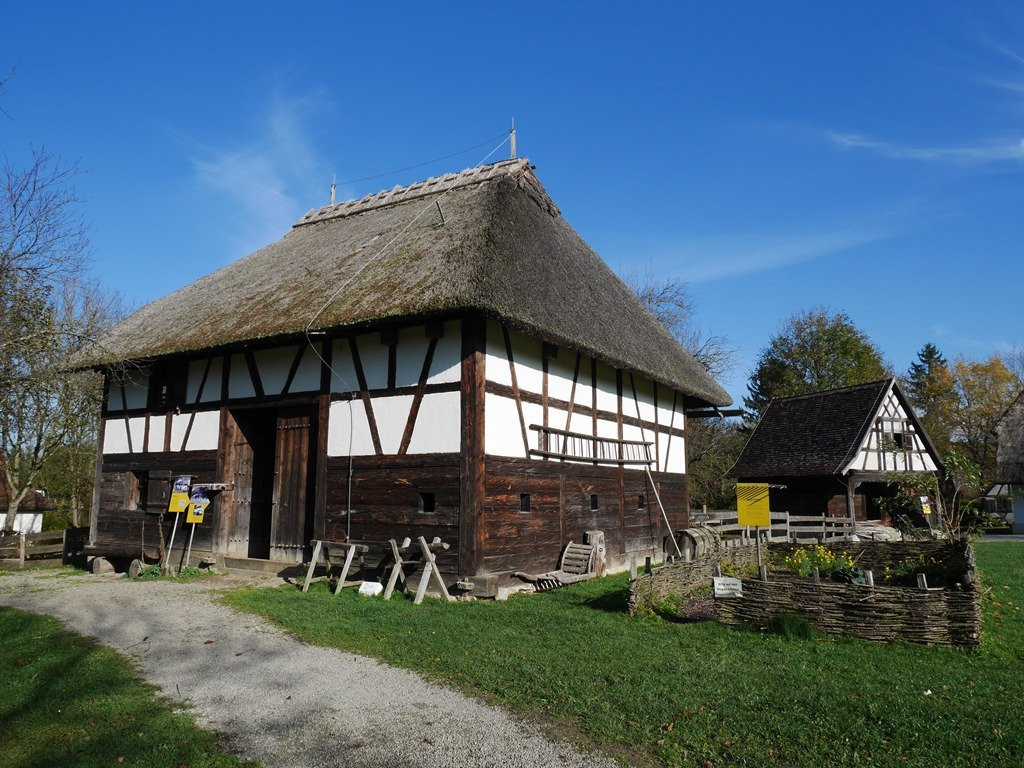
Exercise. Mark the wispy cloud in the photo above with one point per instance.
(265, 181)
(716, 257)
(1011, 150)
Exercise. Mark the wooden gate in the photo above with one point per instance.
(294, 474)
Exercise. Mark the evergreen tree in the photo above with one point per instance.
(929, 387)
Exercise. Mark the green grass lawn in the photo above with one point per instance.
(67, 701)
(701, 694)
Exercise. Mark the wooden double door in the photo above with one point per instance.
(270, 459)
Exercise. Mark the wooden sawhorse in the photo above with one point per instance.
(324, 548)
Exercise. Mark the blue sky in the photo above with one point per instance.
(868, 157)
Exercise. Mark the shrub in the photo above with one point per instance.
(805, 559)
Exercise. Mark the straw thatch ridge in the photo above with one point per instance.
(488, 240)
(1010, 454)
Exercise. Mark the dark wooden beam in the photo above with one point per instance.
(254, 373)
(365, 394)
(417, 399)
(293, 369)
(516, 394)
(471, 468)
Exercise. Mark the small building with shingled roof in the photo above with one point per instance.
(837, 452)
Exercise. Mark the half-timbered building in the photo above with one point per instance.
(837, 452)
(444, 359)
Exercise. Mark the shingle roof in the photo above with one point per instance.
(815, 434)
(487, 239)
(1010, 454)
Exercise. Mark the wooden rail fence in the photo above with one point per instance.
(23, 549)
(801, 529)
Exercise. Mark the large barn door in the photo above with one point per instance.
(293, 477)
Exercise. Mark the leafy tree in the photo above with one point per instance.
(814, 350)
(984, 390)
(712, 447)
(929, 387)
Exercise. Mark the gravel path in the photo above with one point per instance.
(280, 701)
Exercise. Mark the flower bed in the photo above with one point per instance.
(947, 612)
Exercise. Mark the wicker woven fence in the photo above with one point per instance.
(883, 614)
(946, 613)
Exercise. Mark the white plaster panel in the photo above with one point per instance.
(374, 357)
(502, 433)
(348, 431)
(157, 428)
(663, 439)
(211, 388)
(677, 455)
(532, 414)
(273, 366)
(446, 367)
(665, 397)
(115, 436)
(529, 365)
(557, 418)
(179, 424)
(581, 423)
(630, 432)
(343, 372)
(409, 356)
(307, 375)
(644, 402)
(496, 365)
(607, 394)
(584, 389)
(560, 372)
(239, 381)
(438, 424)
(391, 415)
(137, 425)
(607, 428)
(205, 434)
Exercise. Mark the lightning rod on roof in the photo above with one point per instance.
(512, 140)
(334, 187)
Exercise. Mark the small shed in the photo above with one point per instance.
(835, 452)
(29, 517)
(1010, 459)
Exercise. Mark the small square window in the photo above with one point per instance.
(899, 439)
(594, 506)
(641, 501)
(524, 502)
(427, 502)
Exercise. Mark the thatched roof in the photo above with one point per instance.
(487, 239)
(816, 434)
(1010, 454)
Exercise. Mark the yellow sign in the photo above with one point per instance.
(197, 506)
(752, 504)
(179, 494)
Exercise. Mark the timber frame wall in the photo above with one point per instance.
(407, 402)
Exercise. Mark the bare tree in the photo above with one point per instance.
(670, 301)
(47, 313)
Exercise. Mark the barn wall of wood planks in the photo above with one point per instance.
(409, 412)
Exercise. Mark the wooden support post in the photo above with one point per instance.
(789, 531)
(922, 581)
(351, 553)
(762, 572)
(869, 578)
(647, 565)
(816, 575)
(632, 568)
(717, 571)
(21, 549)
(317, 546)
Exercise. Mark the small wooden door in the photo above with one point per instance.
(294, 474)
